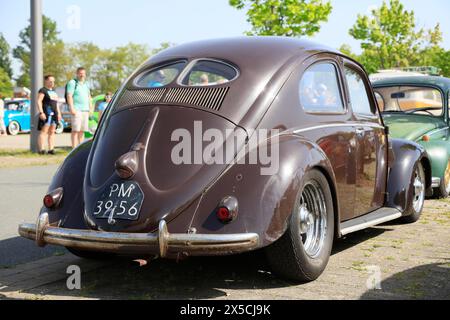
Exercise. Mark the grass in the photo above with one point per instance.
(10, 158)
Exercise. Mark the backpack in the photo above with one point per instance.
(65, 89)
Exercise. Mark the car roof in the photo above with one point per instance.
(245, 52)
(441, 82)
(262, 63)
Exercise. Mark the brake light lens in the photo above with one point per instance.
(53, 199)
(227, 210)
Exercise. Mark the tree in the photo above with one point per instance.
(117, 65)
(51, 42)
(292, 18)
(389, 38)
(6, 87)
(5, 60)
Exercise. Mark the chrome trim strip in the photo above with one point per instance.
(435, 182)
(159, 243)
(337, 125)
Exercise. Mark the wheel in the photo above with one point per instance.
(59, 128)
(13, 128)
(415, 207)
(91, 255)
(443, 191)
(302, 253)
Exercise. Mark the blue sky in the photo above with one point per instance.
(110, 23)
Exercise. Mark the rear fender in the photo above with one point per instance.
(70, 177)
(403, 157)
(265, 201)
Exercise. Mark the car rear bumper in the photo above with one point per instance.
(161, 243)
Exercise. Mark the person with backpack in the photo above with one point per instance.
(78, 97)
(49, 115)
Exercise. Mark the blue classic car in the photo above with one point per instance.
(17, 117)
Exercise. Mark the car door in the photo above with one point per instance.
(371, 142)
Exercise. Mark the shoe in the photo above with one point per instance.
(43, 152)
(52, 152)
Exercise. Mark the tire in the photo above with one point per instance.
(13, 128)
(296, 256)
(91, 255)
(415, 207)
(60, 128)
(444, 188)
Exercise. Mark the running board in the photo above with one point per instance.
(369, 220)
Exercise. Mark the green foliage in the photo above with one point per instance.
(106, 68)
(389, 39)
(5, 60)
(23, 51)
(291, 18)
(6, 87)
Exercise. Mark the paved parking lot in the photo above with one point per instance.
(411, 261)
(22, 141)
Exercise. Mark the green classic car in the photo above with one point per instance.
(416, 108)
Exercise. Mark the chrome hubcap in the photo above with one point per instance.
(313, 219)
(13, 128)
(419, 191)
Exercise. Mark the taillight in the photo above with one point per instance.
(53, 199)
(227, 210)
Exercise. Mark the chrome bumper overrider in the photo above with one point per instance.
(435, 182)
(161, 243)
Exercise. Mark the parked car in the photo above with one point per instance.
(333, 169)
(93, 120)
(17, 117)
(417, 109)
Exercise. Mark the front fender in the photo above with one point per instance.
(265, 201)
(439, 154)
(403, 158)
(70, 177)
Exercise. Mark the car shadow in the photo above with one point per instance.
(357, 238)
(425, 282)
(193, 278)
(18, 250)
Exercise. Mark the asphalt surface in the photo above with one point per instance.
(22, 141)
(21, 193)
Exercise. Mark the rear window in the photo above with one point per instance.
(209, 73)
(160, 77)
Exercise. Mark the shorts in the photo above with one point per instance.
(52, 119)
(80, 121)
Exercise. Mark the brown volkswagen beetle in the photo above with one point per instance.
(225, 146)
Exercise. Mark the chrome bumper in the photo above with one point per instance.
(161, 243)
(435, 182)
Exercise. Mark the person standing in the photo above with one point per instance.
(49, 115)
(2, 118)
(80, 105)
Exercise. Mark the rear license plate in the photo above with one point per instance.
(120, 201)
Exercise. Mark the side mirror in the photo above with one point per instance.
(386, 130)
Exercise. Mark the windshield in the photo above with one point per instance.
(408, 99)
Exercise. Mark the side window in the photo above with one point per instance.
(358, 93)
(320, 90)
